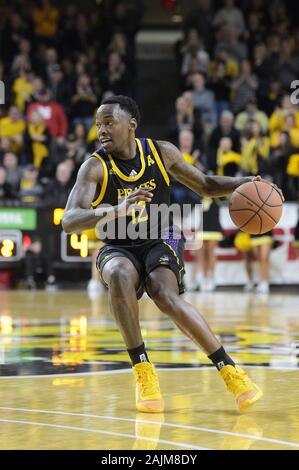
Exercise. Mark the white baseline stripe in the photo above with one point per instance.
(182, 426)
(100, 431)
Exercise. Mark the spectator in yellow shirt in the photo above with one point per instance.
(277, 120)
(227, 158)
(22, 88)
(13, 127)
(255, 149)
(45, 19)
(251, 112)
(290, 128)
(37, 139)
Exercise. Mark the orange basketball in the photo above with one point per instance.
(256, 207)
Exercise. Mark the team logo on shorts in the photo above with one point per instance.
(164, 259)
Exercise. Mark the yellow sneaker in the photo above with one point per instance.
(148, 395)
(241, 386)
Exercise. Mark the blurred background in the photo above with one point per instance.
(216, 78)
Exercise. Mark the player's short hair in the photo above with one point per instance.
(126, 103)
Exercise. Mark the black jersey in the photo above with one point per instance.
(121, 177)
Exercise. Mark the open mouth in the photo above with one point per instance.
(105, 142)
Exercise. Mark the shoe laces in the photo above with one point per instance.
(239, 375)
(148, 382)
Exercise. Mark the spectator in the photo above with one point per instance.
(52, 113)
(57, 191)
(126, 19)
(13, 171)
(291, 129)
(45, 18)
(30, 191)
(76, 144)
(24, 56)
(261, 66)
(244, 87)
(83, 102)
(287, 68)
(231, 18)
(13, 127)
(220, 85)
(14, 30)
(22, 88)
(224, 129)
(200, 18)
(119, 43)
(49, 60)
(255, 151)
(193, 50)
(116, 78)
(228, 161)
(277, 119)
(59, 88)
(279, 159)
(37, 140)
(38, 267)
(180, 193)
(255, 32)
(204, 101)
(190, 154)
(269, 100)
(5, 188)
(186, 117)
(251, 113)
(5, 146)
(236, 49)
(38, 87)
(80, 38)
(231, 65)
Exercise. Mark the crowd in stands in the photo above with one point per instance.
(57, 63)
(237, 62)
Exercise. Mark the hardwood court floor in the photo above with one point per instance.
(65, 381)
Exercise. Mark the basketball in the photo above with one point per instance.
(256, 207)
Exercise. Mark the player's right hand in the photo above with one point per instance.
(132, 200)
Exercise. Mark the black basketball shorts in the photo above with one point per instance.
(146, 257)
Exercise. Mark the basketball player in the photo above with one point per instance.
(126, 173)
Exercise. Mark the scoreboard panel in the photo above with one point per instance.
(17, 225)
(11, 245)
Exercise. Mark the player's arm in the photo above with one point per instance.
(193, 178)
(78, 213)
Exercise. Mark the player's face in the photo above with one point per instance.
(113, 127)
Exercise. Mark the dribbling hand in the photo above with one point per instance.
(259, 178)
(132, 200)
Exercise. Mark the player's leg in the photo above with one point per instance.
(162, 285)
(123, 281)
